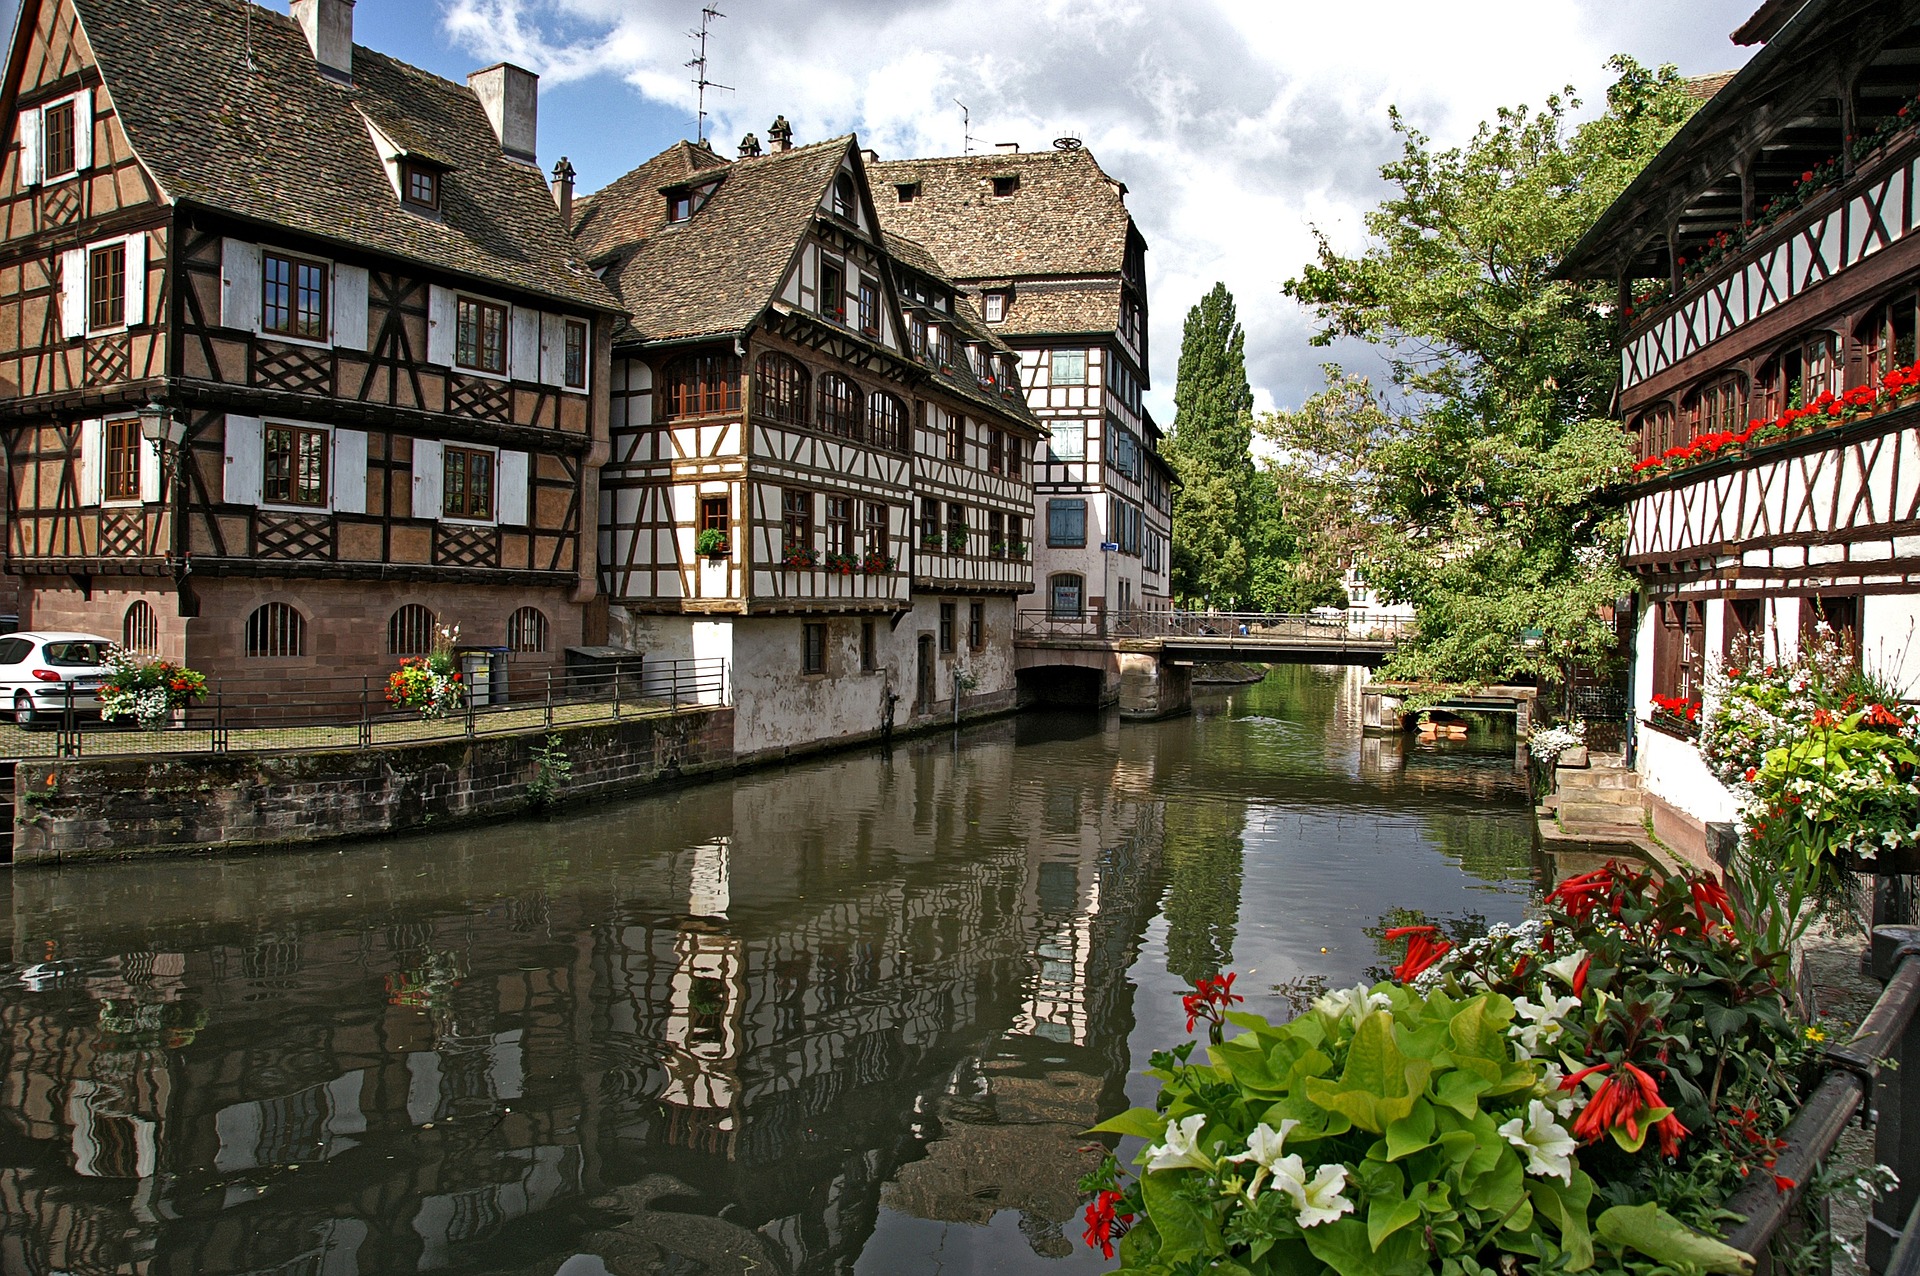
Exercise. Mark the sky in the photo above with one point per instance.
(1239, 126)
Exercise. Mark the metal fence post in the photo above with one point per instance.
(549, 697)
(366, 712)
(1896, 1129)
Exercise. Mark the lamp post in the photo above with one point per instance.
(167, 433)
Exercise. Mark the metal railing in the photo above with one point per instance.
(1877, 1070)
(1334, 629)
(296, 712)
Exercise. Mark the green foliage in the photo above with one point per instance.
(1473, 496)
(1213, 404)
(552, 768)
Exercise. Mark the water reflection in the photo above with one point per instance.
(851, 1015)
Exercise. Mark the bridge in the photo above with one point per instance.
(1145, 659)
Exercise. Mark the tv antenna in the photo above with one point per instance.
(700, 81)
(966, 128)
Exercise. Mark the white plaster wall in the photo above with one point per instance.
(1890, 639)
(1673, 770)
(1643, 662)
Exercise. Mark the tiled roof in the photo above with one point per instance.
(1038, 308)
(1066, 217)
(716, 271)
(264, 136)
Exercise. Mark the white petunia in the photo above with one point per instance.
(1264, 1148)
(1542, 1021)
(1320, 1201)
(1356, 1002)
(1181, 1151)
(1543, 1141)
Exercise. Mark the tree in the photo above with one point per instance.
(1210, 450)
(1474, 496)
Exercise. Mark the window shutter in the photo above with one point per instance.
(149, 471)
(73, 292)
(240, 482)
(240, 285)
(350, 471)
(83, 130)
(30, 148)
(92, 473)
(512, 490)
(429, 476)
(523, 344)
(136, 283)
(553, 349)
(440, 322)
(350, 307)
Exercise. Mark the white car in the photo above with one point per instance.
(37, 671)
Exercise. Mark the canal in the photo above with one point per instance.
(849, 1016)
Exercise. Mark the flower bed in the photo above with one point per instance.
(148, 691)
(1581, 1092)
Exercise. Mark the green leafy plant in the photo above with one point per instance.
(552, 768)
(957, 539)
(148, 691)
(713, 543)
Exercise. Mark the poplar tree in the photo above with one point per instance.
(1210, 450)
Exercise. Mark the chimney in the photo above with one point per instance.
(510, 96)
(329, 28)
(749, 146)
(563, 191)
(779, 135)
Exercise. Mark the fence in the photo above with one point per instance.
(1331, 629)
(258, 714)
(1878, 1070)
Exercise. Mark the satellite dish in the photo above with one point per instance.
(1066, 143)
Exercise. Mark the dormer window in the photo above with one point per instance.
(907, 191)
(1005, 186)
(995, 306)
(419, 185)
(843, 195)
(679, 205)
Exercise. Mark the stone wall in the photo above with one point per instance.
(131, 806)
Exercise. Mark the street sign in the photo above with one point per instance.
(1111, 547)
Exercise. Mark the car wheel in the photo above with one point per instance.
(23, 714)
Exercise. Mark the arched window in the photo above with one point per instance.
(527, 630)
(140, 631)
(1066, 598)
(1657, 429)
(843, 197)
(886, 421)
(1887, 336)
(780, 389)
(1802, 372)
(839, 406)
(410, 631)
(1719, 407)
(276, 629)
(701, 385)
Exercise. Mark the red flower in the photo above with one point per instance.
(1878, 715)
(1100, 1223)
(1577, 895)
(1580, 976)
(1424, 947)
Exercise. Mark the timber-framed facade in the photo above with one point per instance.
(391, 407)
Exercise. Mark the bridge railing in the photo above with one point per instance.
(1332, 629)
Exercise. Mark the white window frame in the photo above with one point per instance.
(33, 139)
(259, 309)
(76, 287)
(268, 423)
(443, 334)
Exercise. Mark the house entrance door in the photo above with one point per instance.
(923, 676)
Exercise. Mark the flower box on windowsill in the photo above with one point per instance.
(800, 560)
(1667, 722)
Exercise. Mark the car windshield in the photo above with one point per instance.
(74, 655)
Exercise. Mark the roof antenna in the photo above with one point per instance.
(966, 128)
(249, 37)
(700, 81)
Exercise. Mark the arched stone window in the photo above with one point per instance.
(839, 406)
(275, 630)
(410, 631)
(140, 631)
(527, 630)
(886, 421)
(780, 389)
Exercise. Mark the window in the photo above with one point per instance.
(1069, 367)
(917, 336)
(1067, 522)
(1016, 450)
(703, 385)
(956, 438)
(468, 489)
(527, 630)
(956, 528)
(293, 297)
(419, 186)
(840, 526)
(1718, 408)
(878, 542)
(907, 191)
(107, 286)
(976, 625)
(140, 631)
(1069, 441)
(715, 514)
(679, 205)
(480, 335)
(1887, 336)
(1679, 652)
(946, 627)
(57, 141)
(929, 523)
(780, 389)
(996, 534)
(1839, 612)
(995, 306)
(839, 406)
(575, 373)
(1746, 622)
(869, 655)
(813, 647)
(1657, 427)
(1801, 373)
(410, 631)
(869, 308)
(943, 347)
(833, 293)
(996, 452)
(796, 519)
(122, 457)
(843, 197)
(295, 466)
(1064, 596)
(1005, 186)
(275, 630)
(886, 422)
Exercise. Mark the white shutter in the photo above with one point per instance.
(73, 292)
(523, 344)
(440, 321)
(350, 471)
(92, 473)
(512, 493)
(350, 307)
(136, 284)
(553, 349)
(149, 470)
(240, 481)
(83, 130)
(240, 285)
(429, 476)
(30, 148)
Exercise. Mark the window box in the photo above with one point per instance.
(713, 543)
(875, 564)
(842, 564)
(957, 540)
(1676, 722)
(794, 558)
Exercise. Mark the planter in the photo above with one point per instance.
(1905, 860)
(1674, 725)
(1574, 759)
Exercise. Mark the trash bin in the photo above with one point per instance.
(484, 671)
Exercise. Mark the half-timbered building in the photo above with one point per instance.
(1044, 245)
(1767, 261)
(767, 395)
(298, 359)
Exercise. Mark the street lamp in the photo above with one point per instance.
(159, 425)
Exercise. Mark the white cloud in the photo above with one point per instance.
(1237, 124)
